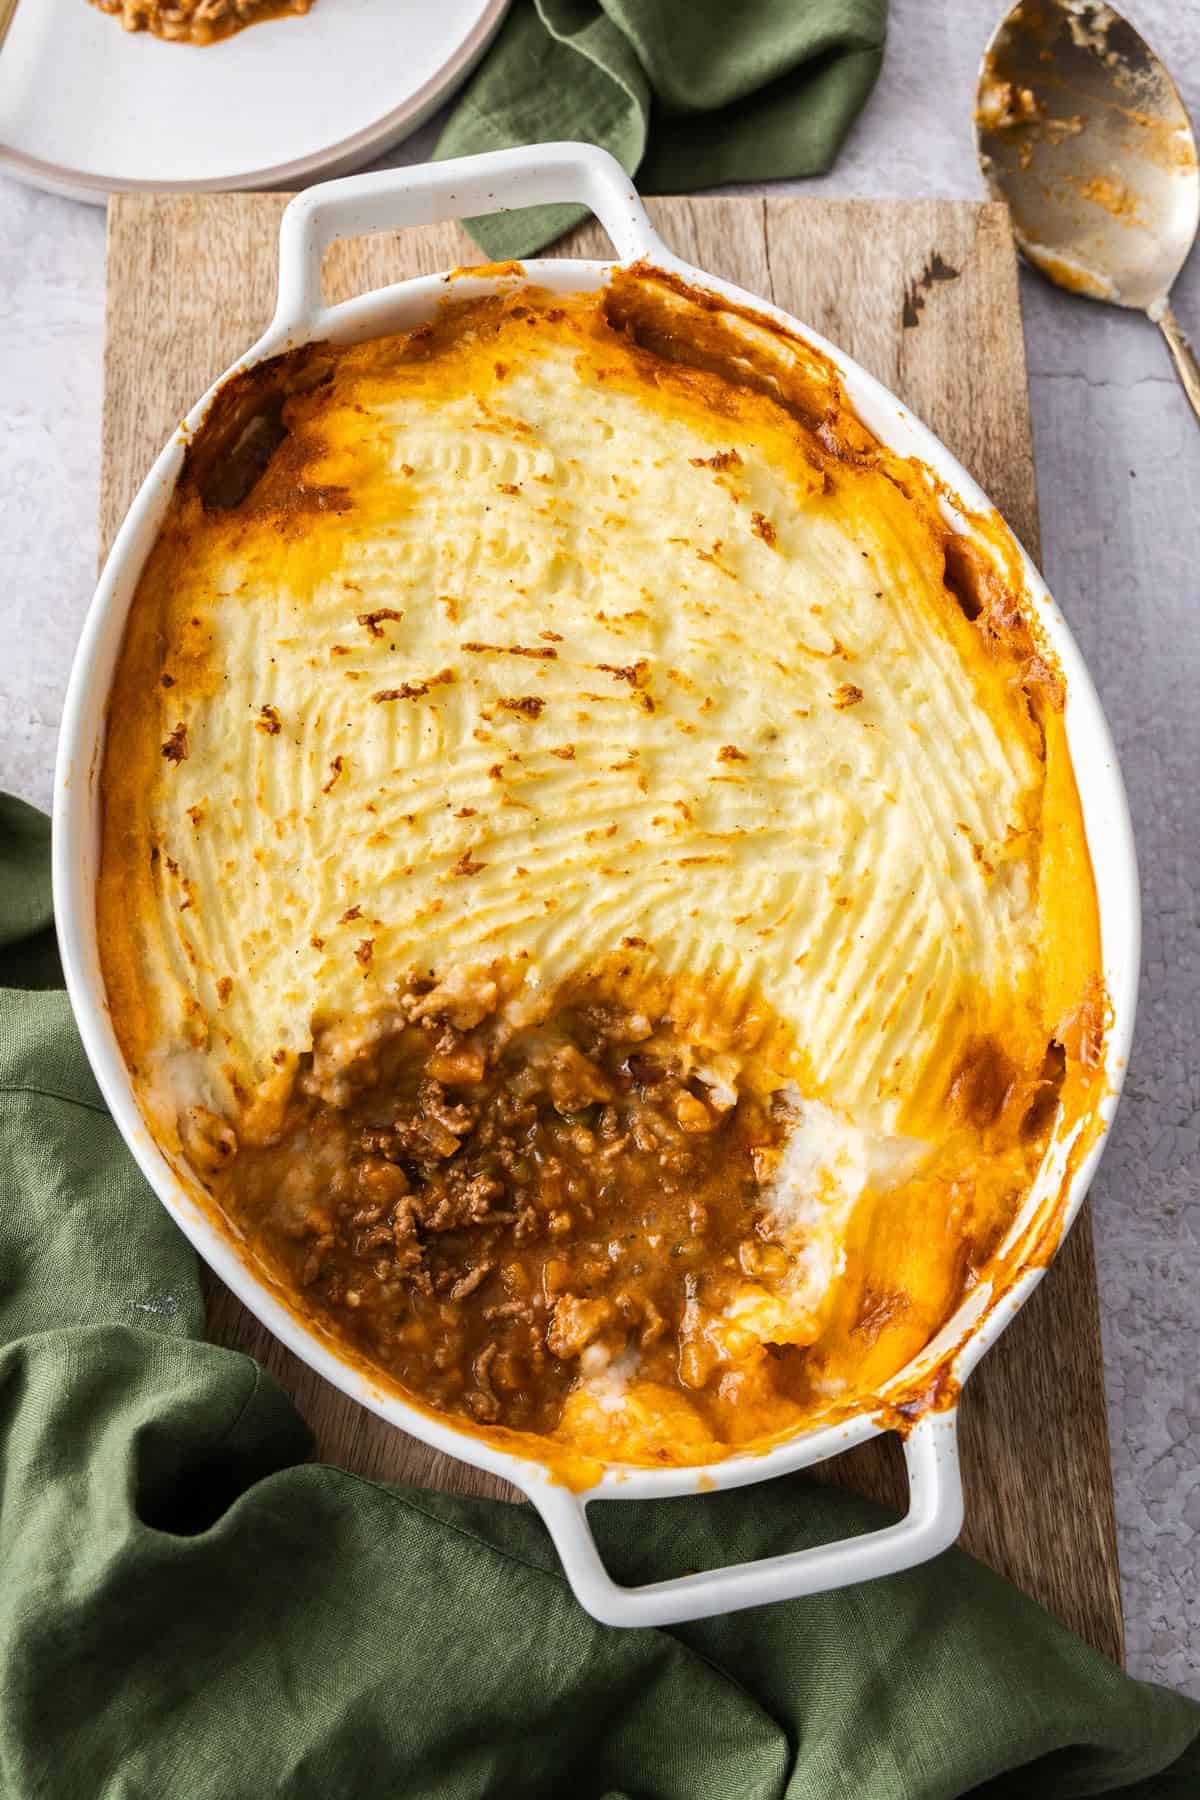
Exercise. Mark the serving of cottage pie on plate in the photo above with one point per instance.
(593, 889)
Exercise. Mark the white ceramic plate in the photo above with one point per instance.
(87, 108)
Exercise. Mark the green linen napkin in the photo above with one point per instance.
(189, 1609)
(685, 93)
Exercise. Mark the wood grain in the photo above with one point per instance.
(923, 293)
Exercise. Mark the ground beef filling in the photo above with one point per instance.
(493, 1221)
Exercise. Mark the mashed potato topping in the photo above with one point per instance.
(592, 645)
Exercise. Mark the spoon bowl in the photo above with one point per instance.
(1083, 133)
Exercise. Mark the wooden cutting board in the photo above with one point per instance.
(923, 293)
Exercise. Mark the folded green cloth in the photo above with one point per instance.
(685, 93)
(188, 1608)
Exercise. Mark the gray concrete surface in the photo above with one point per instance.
(1118, 458)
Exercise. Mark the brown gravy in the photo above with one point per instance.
(485, 1221)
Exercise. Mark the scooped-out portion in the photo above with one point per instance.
(505, 1214)
(593, 888)
(560, 1217)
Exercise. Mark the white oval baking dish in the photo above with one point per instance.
(497, 182)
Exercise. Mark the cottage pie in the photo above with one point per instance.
(197, 21)
(593, 887)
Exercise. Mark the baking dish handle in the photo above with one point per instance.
(464, 187)
(932, 1523)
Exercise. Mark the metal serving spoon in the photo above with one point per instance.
(1082, 131)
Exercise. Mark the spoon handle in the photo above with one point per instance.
(1183, 356)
